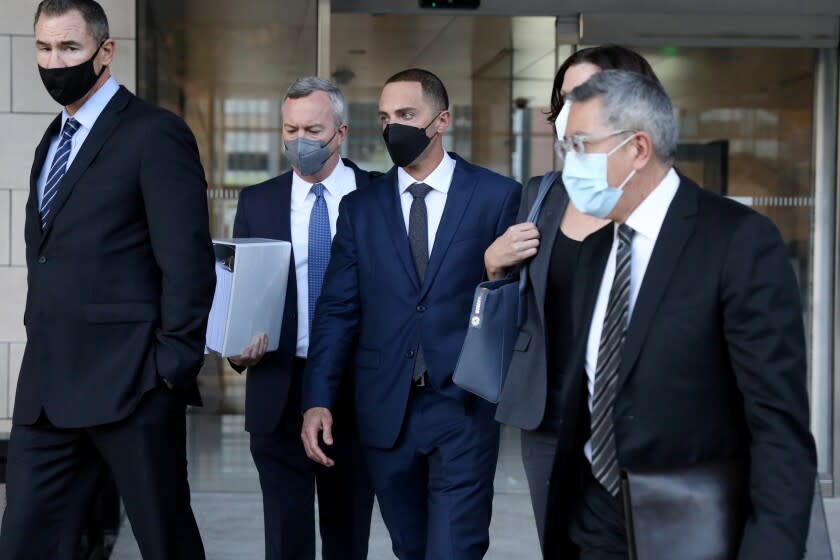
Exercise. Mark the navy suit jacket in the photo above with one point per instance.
(264, 211)
(373, 307)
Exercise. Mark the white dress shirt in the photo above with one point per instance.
(340, 182)
(440, 179)
(646, 221)
(86, 116)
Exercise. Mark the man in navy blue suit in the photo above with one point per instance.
(301, 206)
(406, 258)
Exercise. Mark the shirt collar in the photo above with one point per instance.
(93, 107)
(336, 184)
(648, 217)
(440, 179)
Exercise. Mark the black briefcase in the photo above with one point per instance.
(699, 513)
(693, 513)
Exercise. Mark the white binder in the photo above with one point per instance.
(251, 280)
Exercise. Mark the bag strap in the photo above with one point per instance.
(545, 185)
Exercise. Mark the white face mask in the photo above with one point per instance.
(562, 120)
(585, 179)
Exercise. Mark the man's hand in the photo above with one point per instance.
(252, 354)
(316, 420)
(519, 242)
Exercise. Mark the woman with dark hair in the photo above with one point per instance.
(532, 388)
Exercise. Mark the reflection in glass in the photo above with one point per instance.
(498, 72)
(224, 67)
(745, 119)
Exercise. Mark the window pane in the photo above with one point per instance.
(224, 67)
(745, 117)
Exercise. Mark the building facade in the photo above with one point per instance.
(754, 83)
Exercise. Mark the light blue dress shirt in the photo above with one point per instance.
(86, 116)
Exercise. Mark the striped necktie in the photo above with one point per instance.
(58, 168)
(319, 248)
(604, 459)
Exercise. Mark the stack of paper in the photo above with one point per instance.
(217, 322)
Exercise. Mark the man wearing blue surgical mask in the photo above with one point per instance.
(301, 206)
(690, 360)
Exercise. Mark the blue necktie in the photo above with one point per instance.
(319, 247)
(58, 168)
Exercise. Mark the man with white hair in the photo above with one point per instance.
(691, 350)
(301, 206)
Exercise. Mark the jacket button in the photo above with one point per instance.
(42, 259)
(421, 308)
(409, 354)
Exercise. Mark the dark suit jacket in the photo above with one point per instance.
(371, 290)
(121, 279)
(264, 211)
(523, 399)
(713, 367)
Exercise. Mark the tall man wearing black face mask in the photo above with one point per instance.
(396, 301)
(301, 206)
(120, 283)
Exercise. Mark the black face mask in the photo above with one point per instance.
(68, 85)
(406, 143)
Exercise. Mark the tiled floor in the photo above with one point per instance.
(228, 507)
(227, 503)
(231, 526)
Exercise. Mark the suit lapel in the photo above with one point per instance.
(33, 222)
(388, 197)
(99, 134)
(548, 221)
(363, 178)
(594, 253)
(41, 153)
(460, 193)
(676, 230)
(281, 205)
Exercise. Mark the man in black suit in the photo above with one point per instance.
(120, 284)
(301, 206)
(690, 334)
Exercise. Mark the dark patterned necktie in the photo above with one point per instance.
(604, 460)
(58, 168)
(418, 238)
(319, 248)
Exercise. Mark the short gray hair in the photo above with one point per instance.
(304, 87)
(632, 101)
(92, 13)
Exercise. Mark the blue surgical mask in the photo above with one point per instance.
(308, 156)
(585, 179)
